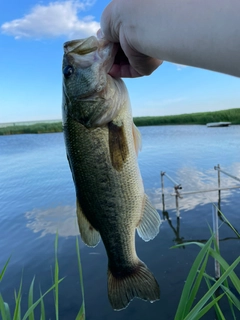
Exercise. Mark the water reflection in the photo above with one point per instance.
(176, 230)
(181, 240)
(192, 179)
(61, 218)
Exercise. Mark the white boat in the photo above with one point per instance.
(218, 124)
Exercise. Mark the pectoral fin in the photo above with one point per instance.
(137, 138)
(117, 145)
(90, 236)
(149, 224)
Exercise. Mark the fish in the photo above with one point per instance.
(102, 145)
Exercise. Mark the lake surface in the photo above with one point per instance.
(37, 198)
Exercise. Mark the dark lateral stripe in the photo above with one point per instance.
(117, 145)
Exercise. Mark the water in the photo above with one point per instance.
(37, 198)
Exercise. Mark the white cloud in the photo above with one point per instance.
(58, 18)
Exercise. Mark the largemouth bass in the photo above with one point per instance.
(102, 144)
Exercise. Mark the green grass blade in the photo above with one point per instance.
(227, 221)
(30, 299)
(4, 269)
(43, 317)
(229, 293)
(81, 313)
(180, 314)
(235, 280)
(17, 311)
(232, 297)
(194, 312)
(204, 310)
(35, 304)
(218, 311)
(4, 309)
(56, 277)
(217, 249)
(196, 285)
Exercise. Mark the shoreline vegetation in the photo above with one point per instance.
(200, 118)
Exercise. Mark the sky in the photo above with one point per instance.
(32, 34)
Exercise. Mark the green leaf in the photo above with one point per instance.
(81, 313)
(235, 280)
(30, 299)
(42, 307)
(227, 221)
(29, 311)
(17, 311)
(225, 287)
(180, 314)
(4, 269)
(218, 311)
(194, 312)
(196, 285)
(56, 276)
(207, 308)
(4, 308)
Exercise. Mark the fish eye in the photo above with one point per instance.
(68, 71)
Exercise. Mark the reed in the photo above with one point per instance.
(32, 305)
(31, 129)
(189, 308)
(231, 115)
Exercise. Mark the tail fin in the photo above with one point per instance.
(140, 282)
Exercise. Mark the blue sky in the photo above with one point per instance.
(31, 37)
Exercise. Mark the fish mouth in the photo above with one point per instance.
(81, 46)
(105, 50)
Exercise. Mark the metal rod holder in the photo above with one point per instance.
(207, 190)
(178, 185)
(216, 232)
(227, 174)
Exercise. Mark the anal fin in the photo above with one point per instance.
(89, 235)
(150, 222)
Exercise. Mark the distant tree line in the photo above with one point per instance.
(231, 115)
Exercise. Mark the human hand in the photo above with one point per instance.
(129, 62)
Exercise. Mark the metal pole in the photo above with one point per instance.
(207, 190)
(162, 183)
(177, 207)
(177, 204)
(178, 185)
(215, 230)
(219, 184)
(216, 168)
